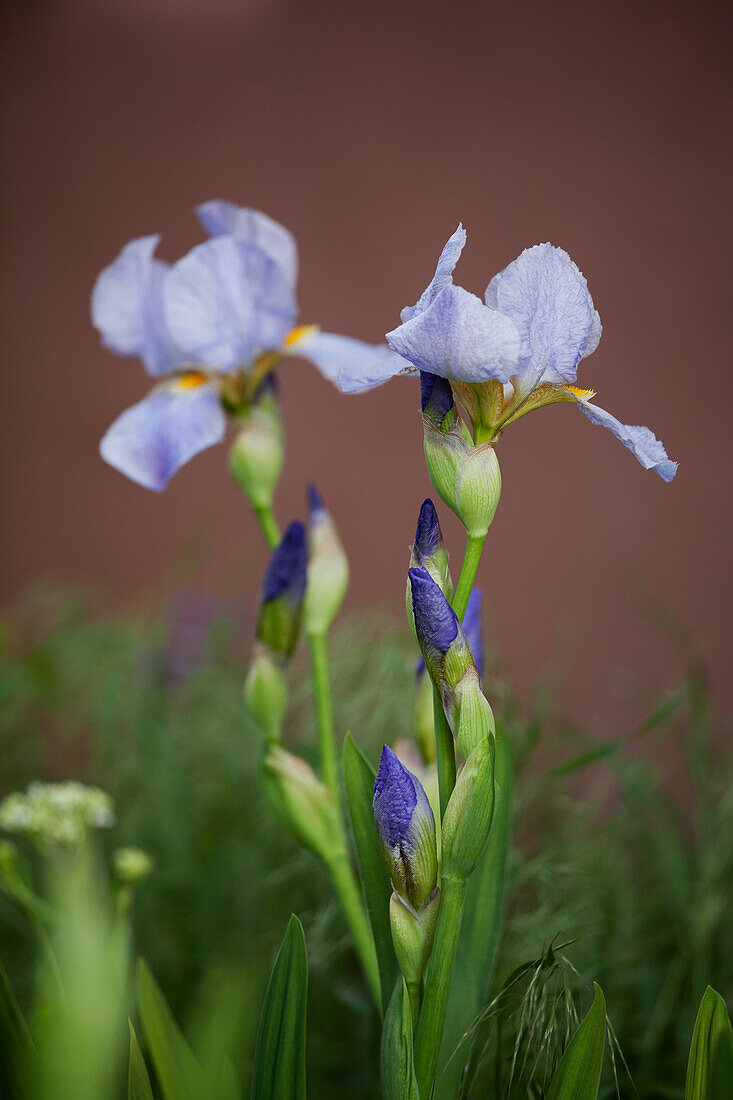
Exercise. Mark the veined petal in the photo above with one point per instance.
(153, 439)
(226, 301)
(127, 307)
(547, 297)
(352, 365)
(219, 217)
(641, 441)
(459, 337)
(443, 276)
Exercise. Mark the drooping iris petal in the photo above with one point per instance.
(443, 276)
(153, 439)
(219, 217)
(547, 298)
(641, 441)
(352, 365)
(226, 301)
(472, 628)
(127, 307)
(459, 337)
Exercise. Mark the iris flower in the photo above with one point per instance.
(208, 329)
(516, 350)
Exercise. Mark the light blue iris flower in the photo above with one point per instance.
(208, 329)
(535, 324)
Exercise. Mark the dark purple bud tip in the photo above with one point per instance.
(436, 396)
(395, 798)
(428, 536)
(472, 628)
(268, 386)
(315, 501)
(286, 571)
(435, 622)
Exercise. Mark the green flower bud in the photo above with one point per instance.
(444, 450)
(132, 865)
(302, 803)
(470, 812)
(266, 691)
(477, 489)
(413, 932)
(258, 452)
(283, 589)
(470, 715)
(328, 569)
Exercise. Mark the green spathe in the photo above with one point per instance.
(470, 812)
(258, 453)
(302, 802)
(413, 931)
(328, 575)
(478, 489)
(266, 691)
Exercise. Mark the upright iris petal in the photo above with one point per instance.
(152, 440)
(251, 226)
(443, 276)
(546, 296)
(127, 307)
(406, 829)
(226, 301)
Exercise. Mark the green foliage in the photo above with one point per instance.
(279, 1065)
(579, 1073)
(138, 1082)
(709, 1075)
(397, 1068)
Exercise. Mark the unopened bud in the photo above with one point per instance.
(413, 932)
(477, 489)
(258, 452)
(266, 691)
(278, 624)
(132, 865)
(302, 803)
(328, 569)
(406, 830)
(429, 552)
(470, 812)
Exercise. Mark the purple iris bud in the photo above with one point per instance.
(406, 829)
(428, 536)
(283, 590)
(472, 628)
(436, 624)
(315, 502)
(436, 396)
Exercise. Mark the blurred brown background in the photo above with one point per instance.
(370, 130)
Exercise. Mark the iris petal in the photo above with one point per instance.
(226, 301)
(459, 337)
(547, 297)
(219, 217)
(352, 365)
(443, 276)
(127, 307)
(150, 441)
(641, 441)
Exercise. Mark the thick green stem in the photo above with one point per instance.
(445, 753)
(327, 751)
(351, 903)
(268, 524)
(437, 982)
(471, 560)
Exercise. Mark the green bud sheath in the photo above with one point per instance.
(471, 718)
(257, 455)
(303, 804)
(413, 932)
(477, 489)
(443, 453)
(328, 574)
(266, 691)
(470, 812)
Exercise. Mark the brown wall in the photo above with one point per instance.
(370, 130)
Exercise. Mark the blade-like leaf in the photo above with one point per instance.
(396, 1060)
(279, 1063)
(138, 1082)
(481, 928)
(16, 1044)
(359, 784)
(179, 1073)
(579, 1074)
(711, 1051)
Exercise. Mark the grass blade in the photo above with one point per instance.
(279, 1063)
(359, 783)
(579, 1074)
(138, 1082)
(179, 1073)
(711, 1051)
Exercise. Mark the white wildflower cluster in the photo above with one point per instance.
(60, 813)
(132, 864)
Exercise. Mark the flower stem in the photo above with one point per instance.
(445, 753)
(437, 981)
(327, 752)
(343, 879)
(471, 560)
(268, 524)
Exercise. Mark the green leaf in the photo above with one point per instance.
(579, 1073)
(709, 1068)
(138, 1082)
(279, 1063)
(359, 784)
(483, 918)
(17, 1048)
(178, 1071)
(396, 1058)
